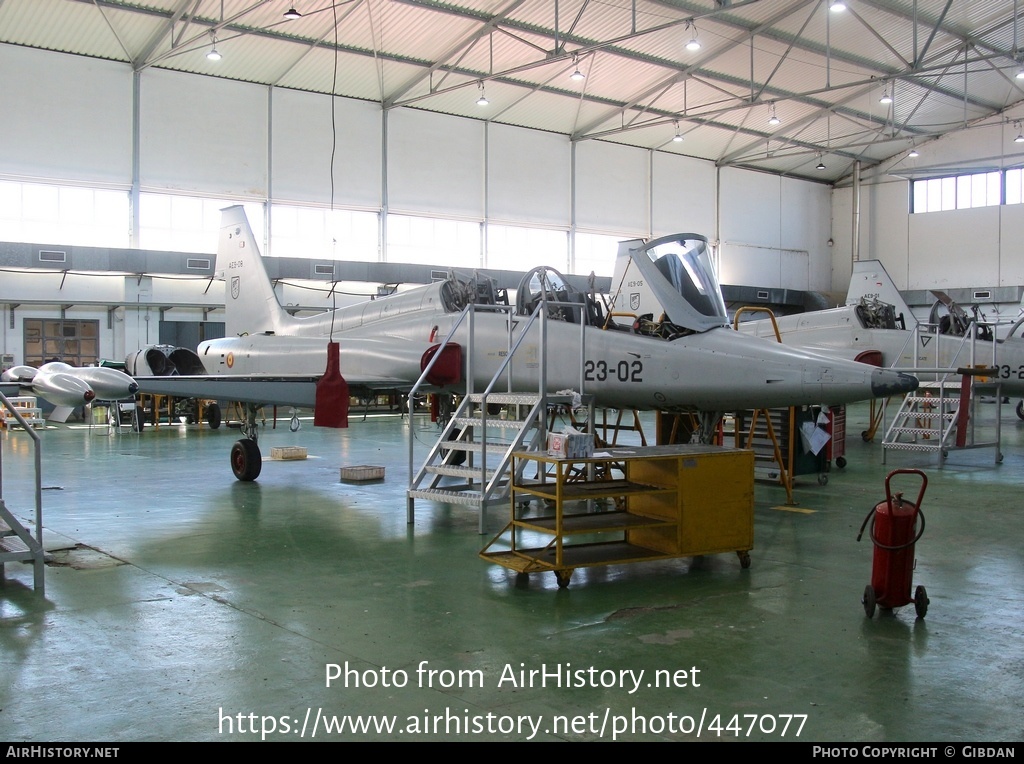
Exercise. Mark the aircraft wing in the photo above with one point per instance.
(277, 389)
(281, 390)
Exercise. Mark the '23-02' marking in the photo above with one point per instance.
(623, 371)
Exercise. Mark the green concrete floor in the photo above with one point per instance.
(193, 606)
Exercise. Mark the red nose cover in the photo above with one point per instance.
(331, 393)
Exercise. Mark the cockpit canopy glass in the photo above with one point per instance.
(685, 262)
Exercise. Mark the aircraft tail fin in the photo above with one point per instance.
(870, 280)
(250, 304)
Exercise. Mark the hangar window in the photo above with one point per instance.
(517, 248)
(596, 252)
(187, 223)
(433, 241)
(46, 214)
(323, 234)
(1015, 186)
(957, 192)
(73, 342)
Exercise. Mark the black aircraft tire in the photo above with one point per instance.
(213, 416)
(1020, 409)
(246, 461)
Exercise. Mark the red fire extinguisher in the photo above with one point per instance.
(896, 526)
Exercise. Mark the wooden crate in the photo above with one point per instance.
(288, 452)
(362, 472)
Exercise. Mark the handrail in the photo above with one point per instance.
(38, 465)
(503, 370)
(757, 309)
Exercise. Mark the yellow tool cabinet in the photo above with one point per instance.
(673, 501)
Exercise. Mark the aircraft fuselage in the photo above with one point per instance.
(839, 332)
(714, 370)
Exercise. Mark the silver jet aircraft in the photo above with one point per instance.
(876, 321)
(691, 360)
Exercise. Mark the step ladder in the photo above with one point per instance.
(939, 417)
(475, 447)
(470, 462)
(18, 543)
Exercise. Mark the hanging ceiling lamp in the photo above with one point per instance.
(577, 75)
(214, 54)
(694, 43)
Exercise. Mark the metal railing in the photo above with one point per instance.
(505, 369)
(34, 544)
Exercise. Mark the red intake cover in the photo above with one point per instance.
(448, 369)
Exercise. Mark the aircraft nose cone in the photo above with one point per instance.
(885, 383)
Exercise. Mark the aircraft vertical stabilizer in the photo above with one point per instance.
(250, 304)
(870, 280)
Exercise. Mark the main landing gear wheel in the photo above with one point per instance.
(869, 601)
(246, 461)
(1020, 409)
(921, 601)
(213, 416)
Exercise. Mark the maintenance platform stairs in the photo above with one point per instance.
(939, 417)
(477, 444)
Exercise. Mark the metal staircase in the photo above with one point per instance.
(17, 543)
(925, 420)
(940, 417)
(475, 446)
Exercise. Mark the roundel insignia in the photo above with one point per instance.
(230, 360)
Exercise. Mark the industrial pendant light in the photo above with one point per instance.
(214, 54)
(694, 43)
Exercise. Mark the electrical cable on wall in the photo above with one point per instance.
(334, 149)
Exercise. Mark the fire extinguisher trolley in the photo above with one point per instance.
(895, 530)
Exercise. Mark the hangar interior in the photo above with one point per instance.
(375, 143)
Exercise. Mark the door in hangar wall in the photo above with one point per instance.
(188, 334)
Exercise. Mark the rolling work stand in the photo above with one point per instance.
(674, 501)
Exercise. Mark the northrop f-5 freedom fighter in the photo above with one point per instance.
(877, 320)
(690, 360)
